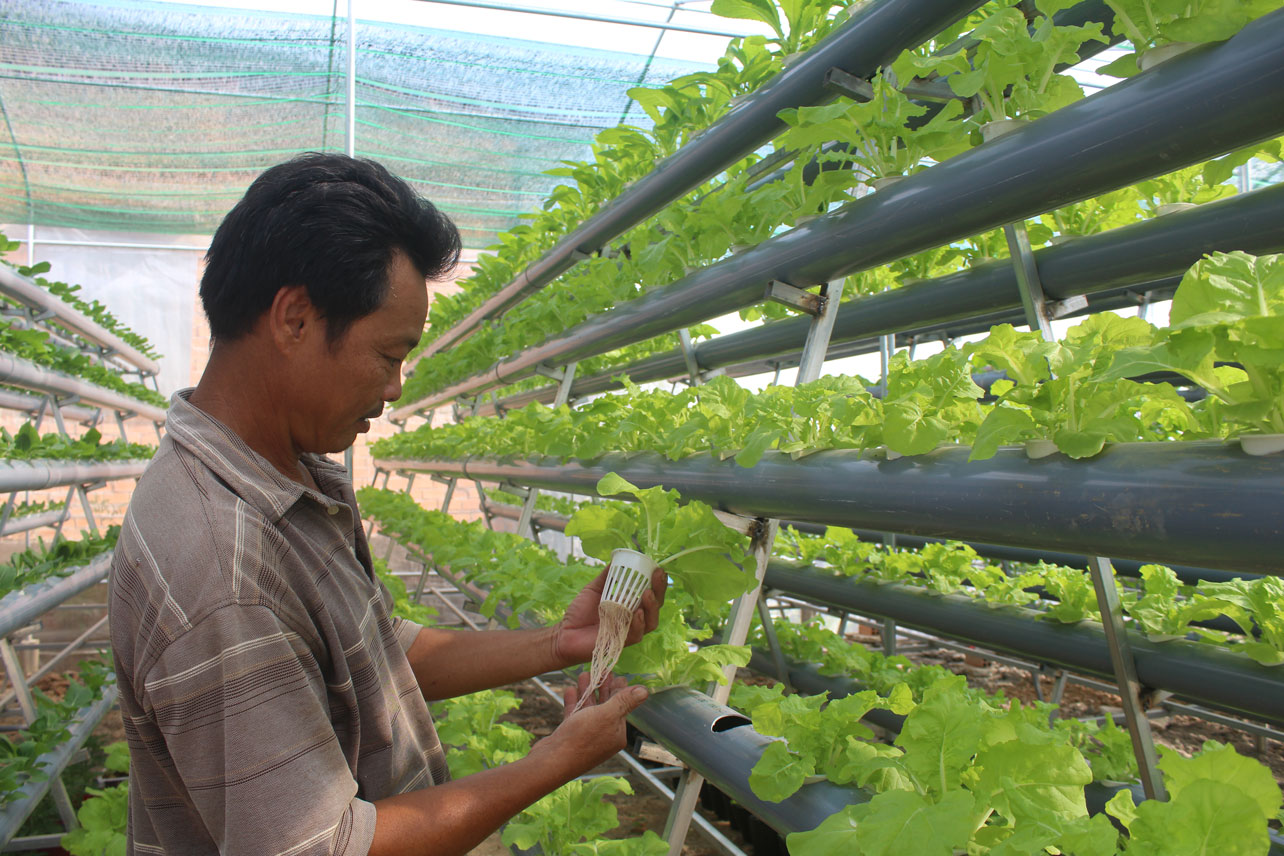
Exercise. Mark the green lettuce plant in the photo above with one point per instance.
(1148, 24)
(1226, 334)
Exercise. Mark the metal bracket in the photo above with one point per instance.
(930, 90)
(798, 298)
(1069, 306)
(1033, 299)
(1130, 690)
(751, 527)
(550, 372)
(846, 83)
(579, 255)
(688, 354)
(886, 347)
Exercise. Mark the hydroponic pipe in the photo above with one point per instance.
(1120, 258)
(1088, 12)
(1213, 99)
(21, 802)
(1151, 256)
(20, 608)
(672, 364)
(720, 744)
(27, 522)
(24, 290)
(11, 399)
(37, 475)
(875, 35)
(807, 679)
(1123, 567)
(1205, 503)
(1204, 674)
(24, 373)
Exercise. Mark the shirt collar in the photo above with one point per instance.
(245, 471)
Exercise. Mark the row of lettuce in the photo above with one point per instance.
(24, 756)
(1158, 605)
(67, 352)
(1225, 336)
(967, 771)
(1010, 68)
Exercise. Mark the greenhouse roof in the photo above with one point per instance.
(154, 117)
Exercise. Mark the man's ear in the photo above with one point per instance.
(293, 318)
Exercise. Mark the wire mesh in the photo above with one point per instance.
(153, 117)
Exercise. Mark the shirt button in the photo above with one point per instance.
(332, 509)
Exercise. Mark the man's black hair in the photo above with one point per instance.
(328, 222)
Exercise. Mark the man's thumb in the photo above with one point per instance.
(630, 699)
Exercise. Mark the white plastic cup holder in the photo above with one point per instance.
(627, 576)
(1260, 445)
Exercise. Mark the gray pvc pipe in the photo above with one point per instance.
(1202, 503)
(26, 403)
(1123, 567)
(1202, 673)
(36, 475)
(26, 291)
(20, 608)
(1213, 99)
(875, 36)
(20, 372)
(30, 521)
(718, 743)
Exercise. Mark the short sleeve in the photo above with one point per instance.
(242, 707)
(406, 632)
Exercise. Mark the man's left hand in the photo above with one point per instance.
(576, 634)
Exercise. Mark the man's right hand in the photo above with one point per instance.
(595, 732)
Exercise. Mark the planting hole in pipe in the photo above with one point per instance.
(728, 721)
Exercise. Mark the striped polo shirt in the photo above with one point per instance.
(264, 685)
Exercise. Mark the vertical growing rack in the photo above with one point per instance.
(41, 393)
(1144, 502)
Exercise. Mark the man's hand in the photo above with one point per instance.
(574, 636)
(591, 735)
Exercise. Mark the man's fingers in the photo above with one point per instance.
(628, 699)
(570, 696)
(659, 585)
(650, 610)
(599, 582)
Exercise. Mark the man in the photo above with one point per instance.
(272, 705)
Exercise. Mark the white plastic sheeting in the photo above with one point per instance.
(153, 291)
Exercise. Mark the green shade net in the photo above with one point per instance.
(152, 117)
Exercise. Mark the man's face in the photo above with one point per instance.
(345, 385)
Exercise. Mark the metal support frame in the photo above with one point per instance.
(1143, 743)
(53, 661)
(773, 642)
(795, 297)
(886, 348)
(849, 85)
(18, 680)
(1033, 300)
(688, 355)
(736, 630)
(566, 379)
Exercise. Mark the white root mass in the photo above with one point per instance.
(613, 623)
